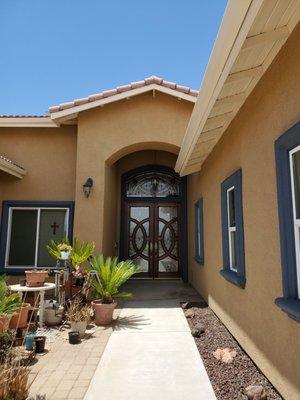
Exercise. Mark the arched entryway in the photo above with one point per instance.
(153, 221)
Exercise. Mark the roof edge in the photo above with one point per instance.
(27, 122)
(72, 110)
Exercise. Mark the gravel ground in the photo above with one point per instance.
(228, 380)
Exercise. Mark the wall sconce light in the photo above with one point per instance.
(87, 187)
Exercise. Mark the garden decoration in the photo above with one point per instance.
(53, 313)
(79, 316)
(9, 304)
(110, 275)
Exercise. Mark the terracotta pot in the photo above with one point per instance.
(19, 320)
(79, 327)
(35, 278)
(103, 312)
(4, 323)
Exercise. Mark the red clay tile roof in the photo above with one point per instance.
(11, 162)
(124, 88)
(23, 116)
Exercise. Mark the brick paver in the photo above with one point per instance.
(64, 371)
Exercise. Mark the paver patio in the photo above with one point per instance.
(148, 353)
(66, 370)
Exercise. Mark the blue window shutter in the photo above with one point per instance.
(283, 145)
(239, 277)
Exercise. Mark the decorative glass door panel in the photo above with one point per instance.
(139, 236)
(152, 232)
(167, 240)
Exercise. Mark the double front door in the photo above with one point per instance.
(152, 237)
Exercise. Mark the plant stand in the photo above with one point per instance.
(41, 294)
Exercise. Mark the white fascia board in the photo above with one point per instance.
(121, 96)
(27, 122)
(237, 21)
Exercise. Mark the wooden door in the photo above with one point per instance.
(152, 238)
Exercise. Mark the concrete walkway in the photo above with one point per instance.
(151, 353)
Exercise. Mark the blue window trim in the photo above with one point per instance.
(199, 246)
(283, 145)
(6, 205)
(238, 278)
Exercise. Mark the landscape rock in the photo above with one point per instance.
(190, 304)
(189, 314)
(225, 355)
(256, 392)
(198, 330)
(184, 305)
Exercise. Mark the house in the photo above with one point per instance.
(203, 187)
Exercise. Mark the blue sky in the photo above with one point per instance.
(57, 50)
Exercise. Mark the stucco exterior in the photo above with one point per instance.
(49, 156)
(105, 143)
(107, 134)
(270, 337)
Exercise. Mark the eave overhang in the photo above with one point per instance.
(12, 169)
(251, 34)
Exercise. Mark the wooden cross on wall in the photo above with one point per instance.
(54, 226)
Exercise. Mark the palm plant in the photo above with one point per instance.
(9, 302)
(112, 274)
(80, 251)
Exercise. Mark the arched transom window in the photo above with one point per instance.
(153, 184)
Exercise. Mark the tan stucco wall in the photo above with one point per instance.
(270, 337)
(48, 155)
(107, 134)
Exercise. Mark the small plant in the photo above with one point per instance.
(13, 381)
(80, 252)
(6, 342)
(78, 312)
(79, 315)
(64, 247)
(112, 275)
(9, 302)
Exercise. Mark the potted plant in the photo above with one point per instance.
(65, 250)
(35, 277)
(112, 274)
(77, 255)
(9, 304)
(19, 320)
(79, 316)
